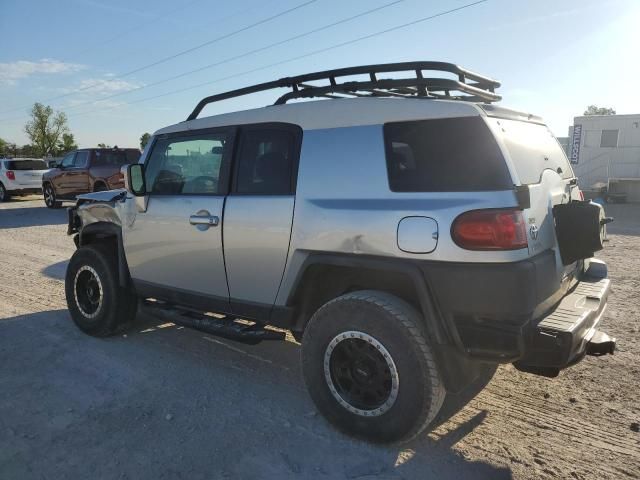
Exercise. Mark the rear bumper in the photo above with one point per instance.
(570, 330)
(516, 313)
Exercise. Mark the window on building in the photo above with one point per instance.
(609, 138)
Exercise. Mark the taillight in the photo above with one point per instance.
(491, 229)
(581, 195)
(10, 175)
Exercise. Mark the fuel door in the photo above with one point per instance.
(417, 234)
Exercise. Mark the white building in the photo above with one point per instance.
(604, 150)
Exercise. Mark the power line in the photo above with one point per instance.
(242, 55)
(183, 52)
(299, 57)
(137, 28)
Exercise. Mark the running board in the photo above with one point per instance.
(223, 326)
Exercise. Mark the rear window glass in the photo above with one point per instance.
(440, 155)
(26, 165)
(115, 158)
(533, 149)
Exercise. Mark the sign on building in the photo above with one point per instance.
(575, 143)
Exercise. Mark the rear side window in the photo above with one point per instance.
(267, 160)
(115, 158)
(444, 155)
(533, 149)
(26, 165)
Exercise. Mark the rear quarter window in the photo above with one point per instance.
(115, 158)
(444, 155)
(533, 149)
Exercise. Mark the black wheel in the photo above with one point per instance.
(4, 195)
(50, 199)
(99, 187)
(369, 367)
(97, 303)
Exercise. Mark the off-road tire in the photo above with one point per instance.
(50, 197)
(399, 328)
(4, 194)
(118, 307)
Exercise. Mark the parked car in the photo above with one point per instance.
(407, 239)
(20, 177)
(86, 170)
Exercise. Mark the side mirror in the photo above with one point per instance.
(134, 179)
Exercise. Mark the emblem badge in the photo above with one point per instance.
(533, 231)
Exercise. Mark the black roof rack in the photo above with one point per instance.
(469, 86)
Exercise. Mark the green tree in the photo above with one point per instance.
(144, 139)
(67, 144)
(45, 129)
(103, 145)
(4, 146)
(595, 110)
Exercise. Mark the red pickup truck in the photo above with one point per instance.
(86, 170)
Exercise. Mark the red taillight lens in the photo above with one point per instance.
(10, 175)
(581, 195)
(493, 229)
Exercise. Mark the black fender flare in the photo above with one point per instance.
(457, 368)
(107, 230)
(436, 328)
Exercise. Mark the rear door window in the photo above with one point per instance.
(267, 161)
(440, 155)
(533, 149)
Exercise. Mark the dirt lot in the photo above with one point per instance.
(164, 403)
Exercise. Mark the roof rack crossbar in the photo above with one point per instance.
(473, 86)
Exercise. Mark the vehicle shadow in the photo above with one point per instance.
(56, 270)
(35, 216)
(210, 408)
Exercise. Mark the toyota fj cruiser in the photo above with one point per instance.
(407, 231)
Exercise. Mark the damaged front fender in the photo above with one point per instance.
(95, 207)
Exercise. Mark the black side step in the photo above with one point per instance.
(225, 326)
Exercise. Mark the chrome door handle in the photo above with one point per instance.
(209, 220)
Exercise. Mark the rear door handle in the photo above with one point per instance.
(208, 220)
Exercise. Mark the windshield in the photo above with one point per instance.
(533, 149)
(26, 165)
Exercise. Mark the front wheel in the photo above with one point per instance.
(369, 368)
(50, 199)
(99, 306)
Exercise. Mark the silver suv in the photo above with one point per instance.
(407, 231)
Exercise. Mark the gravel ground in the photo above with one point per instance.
(167, 403)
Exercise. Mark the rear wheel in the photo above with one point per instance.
(99, 306)
(99, 187)
(369, 368)
(4, 195)
(50, 198)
